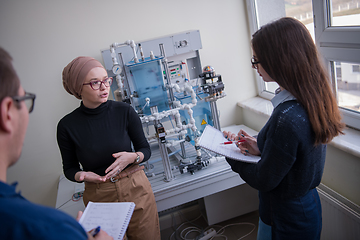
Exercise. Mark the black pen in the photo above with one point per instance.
(95, 231)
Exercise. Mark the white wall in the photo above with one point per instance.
(44, 36)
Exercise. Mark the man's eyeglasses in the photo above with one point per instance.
(254, 62)
(96, 84)
(26, 98)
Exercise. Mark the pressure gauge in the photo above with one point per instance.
(116, 69)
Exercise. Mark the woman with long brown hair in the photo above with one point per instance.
(292, 144)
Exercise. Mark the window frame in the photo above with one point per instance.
(336, 44)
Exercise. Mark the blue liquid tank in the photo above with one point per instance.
(148, 81)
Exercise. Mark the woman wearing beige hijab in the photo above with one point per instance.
(95, 141)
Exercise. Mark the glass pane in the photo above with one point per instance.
(302, 11)
(348, 85)
(345, 13)
(268, 11)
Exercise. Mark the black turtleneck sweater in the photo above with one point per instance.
(90, 136)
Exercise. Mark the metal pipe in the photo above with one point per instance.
(167, 74)
(126, 82)
(165, 158)
(215, 115)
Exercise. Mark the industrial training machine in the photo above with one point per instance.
(174, 96)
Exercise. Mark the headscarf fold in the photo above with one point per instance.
(75, 72)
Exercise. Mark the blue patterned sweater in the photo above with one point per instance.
(290, 164)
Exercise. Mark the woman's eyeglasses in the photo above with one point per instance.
(254, 62)
(96, 84)
(26, 97)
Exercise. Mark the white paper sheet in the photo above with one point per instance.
(211, 140)
(113, 217)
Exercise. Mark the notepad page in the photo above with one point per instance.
(113, 217)
(212, 138)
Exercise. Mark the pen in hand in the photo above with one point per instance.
(231, 142)
(95, 231)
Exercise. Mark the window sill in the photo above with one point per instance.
(348, 142)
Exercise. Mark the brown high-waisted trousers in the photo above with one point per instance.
(144, 223)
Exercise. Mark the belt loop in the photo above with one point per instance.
(127, 173)
(98, 185)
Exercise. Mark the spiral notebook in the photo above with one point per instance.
(211, 140)
(112, 217)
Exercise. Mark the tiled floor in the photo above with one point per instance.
(233, 229)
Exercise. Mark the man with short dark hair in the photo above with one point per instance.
(19, 218)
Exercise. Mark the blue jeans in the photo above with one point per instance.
(264, 231)
(296, 219)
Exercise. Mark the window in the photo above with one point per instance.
(337, 35)
(348, 85)
(356, 68)
(344, 13)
